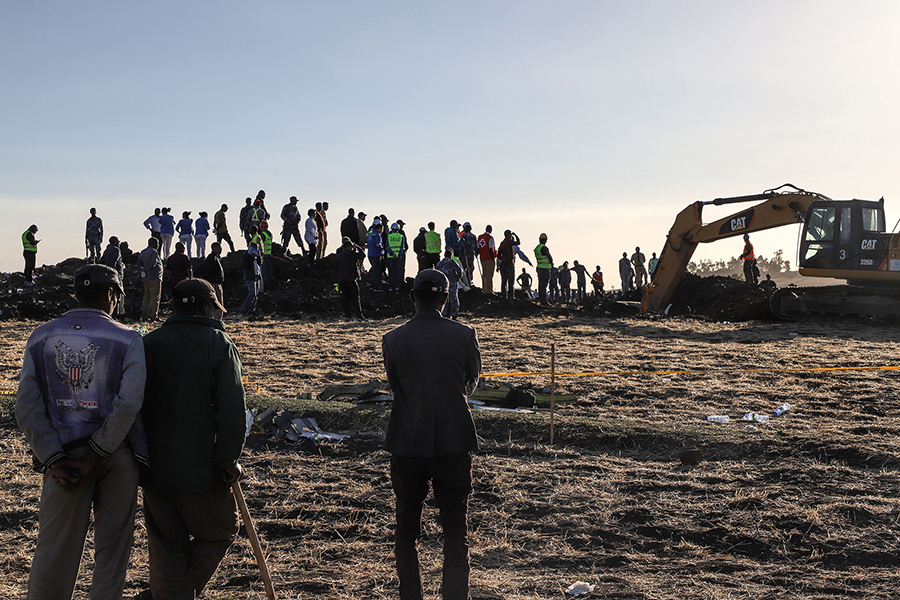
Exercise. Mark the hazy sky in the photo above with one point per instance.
(595, 122)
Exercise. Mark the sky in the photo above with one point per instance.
(595, 122)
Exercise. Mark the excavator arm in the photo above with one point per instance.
(784, 205)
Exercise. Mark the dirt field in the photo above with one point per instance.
(805, 507)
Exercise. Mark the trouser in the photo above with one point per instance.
(30, 260)
(246, 234)
(186, 240)
(487, 275)
(350, 298)
(469, 267)
(553, 288)
(150, 305)
(748, 272)
(157, 235)
(393, 265)
(187, 536)
(640, 274)
(565, 292)
(323, 242)
(220, 296)
(451, 479)
(507, 280)
(200, 241)
(287, 234)
(375, 272)
(312, 252)
(224, 235)
(111, 487)
(626, 282)
(433, 259)
(543, 281)
(451, 309)
(249, 305)
(582, 290)
(423, 262)
(267, 273)
(166, 245)
(93, 244)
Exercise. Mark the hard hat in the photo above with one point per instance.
(395, 226)
(543, 236)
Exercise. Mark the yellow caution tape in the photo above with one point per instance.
(713, 371)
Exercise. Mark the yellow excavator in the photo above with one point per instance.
(841, 239)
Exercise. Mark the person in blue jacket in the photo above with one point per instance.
(185, 229)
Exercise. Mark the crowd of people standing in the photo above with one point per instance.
(468, 258)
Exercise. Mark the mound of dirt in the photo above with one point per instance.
(304, 289)
(720, 298)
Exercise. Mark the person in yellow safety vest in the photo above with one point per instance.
(395, 254)
(544, 264)
(749, 259)
(29, 252)
(266, 236)
(432, 246)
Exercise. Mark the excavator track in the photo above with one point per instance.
(795, 303)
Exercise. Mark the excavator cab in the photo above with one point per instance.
(845, 239)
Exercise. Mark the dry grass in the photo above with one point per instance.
(805, 507)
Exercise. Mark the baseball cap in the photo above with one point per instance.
(195, 291)
(376, 221)
(431, 280)
(400, 222)
(97, 275)
(361, 214)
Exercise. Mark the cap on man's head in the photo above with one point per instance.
(376, 221)
(292, 199)
(543, 236)
(32, 228)
(395, 227)
(431, 280)
(400, 222)
(194, 292)
(97, 275)
(362, 214)
(422, 230)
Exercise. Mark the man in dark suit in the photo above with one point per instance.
(432, 365)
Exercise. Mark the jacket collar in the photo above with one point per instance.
(208, 321)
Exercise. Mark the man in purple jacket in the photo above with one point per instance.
(80, 391)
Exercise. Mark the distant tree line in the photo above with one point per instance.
(734, 265)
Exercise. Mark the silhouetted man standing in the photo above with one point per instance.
(432, 365)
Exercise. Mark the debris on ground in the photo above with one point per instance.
(353, 391)
(579, 588)
(290, 426)
(526, 395)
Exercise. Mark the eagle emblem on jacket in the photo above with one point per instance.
(75, 367)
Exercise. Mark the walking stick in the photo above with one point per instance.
(254, 540)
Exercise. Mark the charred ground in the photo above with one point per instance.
(804, 507)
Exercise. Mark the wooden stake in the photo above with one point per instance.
(254, 540)
(552, 387)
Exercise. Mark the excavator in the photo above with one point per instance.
(841, 239)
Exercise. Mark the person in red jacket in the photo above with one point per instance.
(487, 253)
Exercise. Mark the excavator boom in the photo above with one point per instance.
(784, 205)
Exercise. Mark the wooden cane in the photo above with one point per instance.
(552, 387)
(254, 540)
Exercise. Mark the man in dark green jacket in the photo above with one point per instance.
(194, 414)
